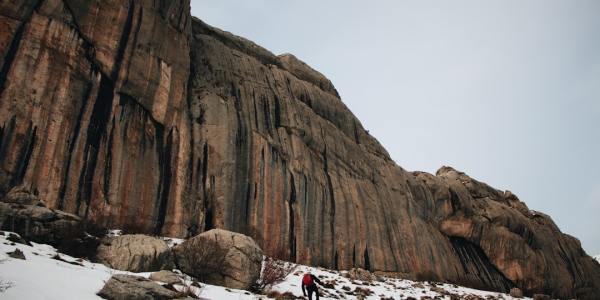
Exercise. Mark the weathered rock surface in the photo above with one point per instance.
(541, 297)
(129, 287)
(135, 253)
(38, 223)
(131, 114)
(516, 292)
(165, 276)
(93, 110)
(22, 195)
(221, 257)
(360, 274)
(18, 254)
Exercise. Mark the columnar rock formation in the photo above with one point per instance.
(133, 114)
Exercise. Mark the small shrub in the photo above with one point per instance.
(273, 294)
(273, 272)
(210, 257)
(188, 292)
(83, 240)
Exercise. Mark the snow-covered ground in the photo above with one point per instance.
(383, 288)
(46, 274)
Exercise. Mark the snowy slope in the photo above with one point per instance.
(597, 257)
(44, 275)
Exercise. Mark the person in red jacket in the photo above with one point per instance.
(308, 284)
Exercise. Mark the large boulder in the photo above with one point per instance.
(221, 257)
(67, 232)
(135, 253)
(129, 287)
(38, 223)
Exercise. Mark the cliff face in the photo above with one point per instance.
(93, 111)
(131, 114)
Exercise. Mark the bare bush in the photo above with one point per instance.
(186, 291)
(82, 240)
(273, 272)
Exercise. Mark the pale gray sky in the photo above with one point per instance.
(506, 90)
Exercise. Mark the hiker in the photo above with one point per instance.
(308, 284)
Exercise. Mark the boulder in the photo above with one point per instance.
(360, 274)
(18, 254)
(221, 257)
(135, 253)
(516, 292)
(22, 195)
(67, 232)
(39, 224)
(129, 287)
(166, 276)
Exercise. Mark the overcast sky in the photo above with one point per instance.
(506, 91)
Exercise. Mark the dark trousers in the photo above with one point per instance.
(312, 288)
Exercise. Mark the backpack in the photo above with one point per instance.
(307, 280)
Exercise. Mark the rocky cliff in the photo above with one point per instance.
(133, 114)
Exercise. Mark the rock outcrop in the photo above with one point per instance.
(167, 277)
(135, 253)
(126, 287)
(39, 224)
(133, 114)
(221, 257)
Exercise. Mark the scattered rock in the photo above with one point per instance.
(472, 297)
(221, 257)
(15, 238)
(18, 254)
(541, 297)
(59, 258)
(128, 287)
(135, 253)
(418, 285)
(282, 296)
(516, 292)
(166, 277)
(363, 291)
(439, 290)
